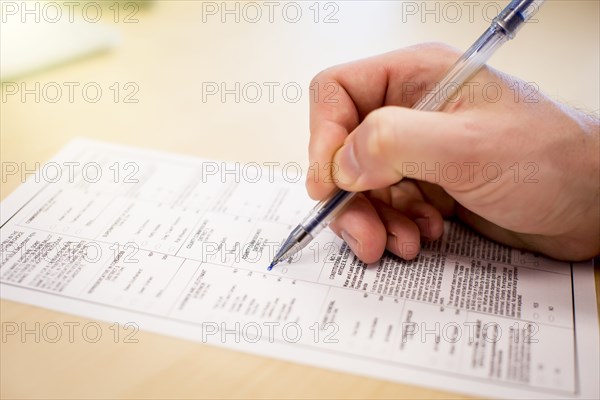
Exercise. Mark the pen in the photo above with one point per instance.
(503, 28)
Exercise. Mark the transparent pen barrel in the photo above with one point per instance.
(325, 211)
(530, 9)
(463, 69)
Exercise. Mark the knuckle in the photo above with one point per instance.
(440, 48)
(324, 75)
(442, 52)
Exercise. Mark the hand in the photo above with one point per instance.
(509, 162)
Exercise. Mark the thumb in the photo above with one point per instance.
(395, 142)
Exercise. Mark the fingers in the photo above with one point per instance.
(437, 197)
(407, 197)
(371, 226)
(403, 236)
(361, 229)
(394, 142)
(342, 96)
(427, 218)
(408, 191)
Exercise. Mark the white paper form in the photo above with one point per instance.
(180, 246)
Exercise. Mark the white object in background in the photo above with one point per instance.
(38, 42)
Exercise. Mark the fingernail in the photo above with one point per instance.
(348, 168)
(352, 242)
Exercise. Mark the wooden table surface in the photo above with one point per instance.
(174, 50)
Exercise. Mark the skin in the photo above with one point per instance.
(517, 167)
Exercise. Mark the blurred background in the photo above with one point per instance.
(230, 79)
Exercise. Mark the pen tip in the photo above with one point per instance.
(270, 267)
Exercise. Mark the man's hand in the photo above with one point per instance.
(506, 160)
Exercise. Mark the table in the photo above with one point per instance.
(166, 60)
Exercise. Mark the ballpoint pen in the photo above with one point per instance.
(503, 28)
